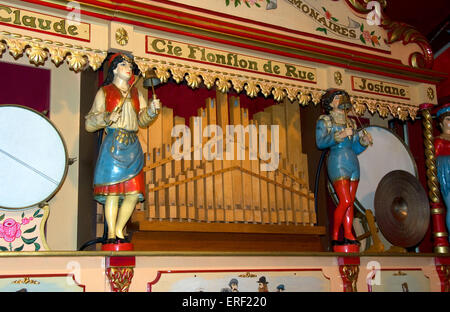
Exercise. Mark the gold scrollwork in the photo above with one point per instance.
(121, 36)
(39, 50)
(265, 89)
(251, 88)
(430, 93)
(397, 31)
(238, 84)
(193, 80)
(95, 60)
(304, 98)
(316, 96)
(178, 74)
(248, 275)
(76, 61)
(57, 54)
(26, 280)
(36, 54)
(162, 72)
(2, 48)
(120, 278)
(413, 112)
(292, 93)
(338, 78)
(402, 113)
(359, 108)
(16, 47)
(382, 110)
(223, 84)
(278, 94)
(209, 80)
(350, 276)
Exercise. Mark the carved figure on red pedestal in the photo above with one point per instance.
(442, 152)
(120, 108)
(336, 132)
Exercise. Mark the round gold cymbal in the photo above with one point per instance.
(402, 209)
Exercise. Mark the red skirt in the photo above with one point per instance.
(135, 185)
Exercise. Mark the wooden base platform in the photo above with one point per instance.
(199, 236)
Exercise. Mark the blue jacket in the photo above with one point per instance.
(342, 159)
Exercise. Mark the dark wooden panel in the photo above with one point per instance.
(196, 241)
(87, 207)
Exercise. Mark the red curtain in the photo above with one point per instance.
(25, 85)
(185, 101)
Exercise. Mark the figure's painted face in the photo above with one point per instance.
(335, 102)
(124, 70)
(445, 124)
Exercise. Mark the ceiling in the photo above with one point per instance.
(430, 17)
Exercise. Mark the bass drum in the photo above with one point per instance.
(388, 153)
(33, 158)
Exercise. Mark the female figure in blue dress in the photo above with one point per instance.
(442, 153)
(336, 132)
(120, 109)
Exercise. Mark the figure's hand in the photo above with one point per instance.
(155, 107)
(347, 132)
(112, 117)
(367, 138)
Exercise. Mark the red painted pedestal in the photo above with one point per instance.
(443, 269)
(346, 248)
(118, 247)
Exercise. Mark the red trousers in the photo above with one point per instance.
(343, 215)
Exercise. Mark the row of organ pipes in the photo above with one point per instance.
(224, 190)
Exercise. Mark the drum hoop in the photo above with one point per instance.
(66, 166)
(357, 204)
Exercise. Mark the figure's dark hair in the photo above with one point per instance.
(116, 61)
(441, 119)
(328, 97)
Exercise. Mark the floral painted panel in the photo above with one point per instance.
(23, 230)
(40, 283)
(241, 281)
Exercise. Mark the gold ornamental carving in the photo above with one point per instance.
(26, 281)
(38, 51)
(238, 84)
(338, 78)
(265, 89)
(433, 183)
(121, 36)
(120, 278)
(223, 85)
(430, 93)
(252, 88)
(209, 80)
(193, 80)
(224, 81)
(349, 275)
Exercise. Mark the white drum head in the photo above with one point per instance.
(33, 157)
(387, 153)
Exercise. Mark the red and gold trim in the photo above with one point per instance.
(349, 270)
(120, 272)
(440, 235)
(213, 30)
